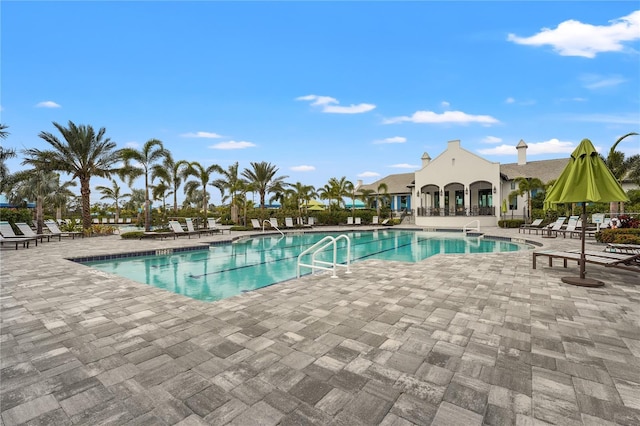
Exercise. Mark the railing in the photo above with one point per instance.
(271, 225)
(321, 264)
(456, 211)
(477, 228)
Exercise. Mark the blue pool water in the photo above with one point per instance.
(223, 271)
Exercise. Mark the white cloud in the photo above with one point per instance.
(303, 168)
(552, 146)
(205, 135)
(573, 38)
(404, 166)
(594, 82)
(491, 139)
(132, 144)
(454, 117)
(327, 105)
(395, 139)
(445, 104)
(47, 104)
(509, 100)
(232, 145)
(368, 174)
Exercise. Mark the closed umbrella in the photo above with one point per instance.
(586, 178)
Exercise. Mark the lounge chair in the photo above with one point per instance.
(193, 230)
(212, 224)
(311, 221)
(288, 222)
(627, 262)
(358, 221)
(28, 232)
(255, 223)
(177, 230)
(554, 226)
(570, 228)
(622, 248)
(53, 228)
(533, 226)
(374, 220)
(6, 231)
(385, 222)
(17, 241)
(350, 220)
(274, 222)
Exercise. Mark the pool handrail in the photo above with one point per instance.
(319, 247)
(271, 225)
(477, 228)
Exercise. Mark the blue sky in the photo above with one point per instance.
(325, 89)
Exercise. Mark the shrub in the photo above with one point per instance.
(510, 223)
(619, 236)
(626, 221)
(16, 215)
(133, 235)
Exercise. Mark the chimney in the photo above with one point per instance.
(425, 159)
(358, 184)
(522, 152)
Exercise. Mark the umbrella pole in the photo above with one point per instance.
(582, 281)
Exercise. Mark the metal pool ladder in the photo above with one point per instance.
(468, 228)
(321, 264)
(272, 225)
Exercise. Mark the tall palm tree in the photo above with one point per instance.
(302, 194)
(5, 154)
(622, 167)
(139, 163)
(525, 187)
(83, 153)
(262, 177)
(114, 194)
(232, 183)
(35, 184)
(161, 191)
(336, 189)
(171, 172)
(203, 177)
(367, 196)
(381, 194)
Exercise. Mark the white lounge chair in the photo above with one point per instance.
(274, 222)
(6, 231)
(311, 221)
(177, 230)
(375, 220)
(193, 230)
(212, 224)
(358, 221)
(350, 220)
(28, 232)
(255, 223)
(53, 228)
(288, 222)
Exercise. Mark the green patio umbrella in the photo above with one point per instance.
(585, 179)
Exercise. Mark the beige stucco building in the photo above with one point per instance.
(459, 187)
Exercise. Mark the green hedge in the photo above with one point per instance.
(619, 236)
(16, 215)
(510, 223)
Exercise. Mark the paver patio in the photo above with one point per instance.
(465, 339)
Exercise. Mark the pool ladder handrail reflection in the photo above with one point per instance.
(319, 247)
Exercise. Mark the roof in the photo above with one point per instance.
(545, 170)
(396, 184)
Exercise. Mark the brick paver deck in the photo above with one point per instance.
(465, 339)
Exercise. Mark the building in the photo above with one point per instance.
(459, 187)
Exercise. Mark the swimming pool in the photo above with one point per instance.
(222, 271)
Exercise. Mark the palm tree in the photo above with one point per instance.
(39, 185)
(381, 194)
(302, 194)
(161, 191)
(262, 177)
(114, 194)
(152, 152)
(171, 172)
(82, 153)
(203, 177)
(230, 182)
(367, 196)
(525, 187)
(5, 154)
(622, 167)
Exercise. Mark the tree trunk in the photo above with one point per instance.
(39, 214)
(147, 205)
(85, 192)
